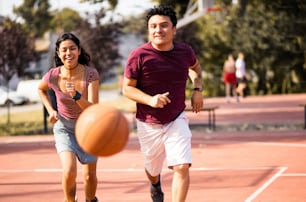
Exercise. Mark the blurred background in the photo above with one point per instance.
(269, 33)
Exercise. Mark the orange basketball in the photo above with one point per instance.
(102, 130)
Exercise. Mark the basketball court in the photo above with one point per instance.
(231, 166)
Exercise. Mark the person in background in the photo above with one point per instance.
(240, 75)
(76, 87)
(155, 78)
(229, 78)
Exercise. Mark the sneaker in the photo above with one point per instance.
(93, 200)
(157, 194)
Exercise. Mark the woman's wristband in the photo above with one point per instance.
(77, 96)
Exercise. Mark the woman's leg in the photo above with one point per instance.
(90, 180)
(227, 92)
(68, 160)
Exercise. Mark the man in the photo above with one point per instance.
(155, 77)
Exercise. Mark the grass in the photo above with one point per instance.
(22, 123)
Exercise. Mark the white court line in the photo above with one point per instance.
(294, 175)
(266, 184)
(212, 142)
(192, 169)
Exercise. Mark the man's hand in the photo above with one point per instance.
(159, 100)
(197, 101)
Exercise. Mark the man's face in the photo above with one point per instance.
(161, 32)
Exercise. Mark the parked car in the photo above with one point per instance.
(11, 98)
(29, 89)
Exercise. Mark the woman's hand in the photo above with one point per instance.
(70, 88)
(53, 117)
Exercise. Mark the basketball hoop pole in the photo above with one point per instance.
(195, 9)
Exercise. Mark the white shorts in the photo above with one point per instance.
(170, 141)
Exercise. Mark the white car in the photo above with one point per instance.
(11, 98)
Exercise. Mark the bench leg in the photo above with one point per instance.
(214, 120)
(305, 117)
(209, 120)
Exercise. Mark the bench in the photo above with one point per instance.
(211, 115)
(209, 109)
(304, 105)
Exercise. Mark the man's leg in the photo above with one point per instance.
(153, 179)
(157, 194)
(180, 182)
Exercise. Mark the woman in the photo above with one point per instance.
(76, 87)
(241, 75)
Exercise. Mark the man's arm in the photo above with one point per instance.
(195, 75)
(130, 91)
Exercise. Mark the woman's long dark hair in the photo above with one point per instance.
(84, 57)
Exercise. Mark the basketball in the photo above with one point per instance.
(102, 130)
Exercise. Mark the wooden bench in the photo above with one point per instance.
(211, 115)
(304, 105)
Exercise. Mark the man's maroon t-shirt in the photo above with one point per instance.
(158, 72)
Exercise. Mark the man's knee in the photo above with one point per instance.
(182, 168)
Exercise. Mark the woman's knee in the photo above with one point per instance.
(90, 176)
(69, 174)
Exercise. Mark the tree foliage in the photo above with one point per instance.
(36, 15)
(270, 35)
(112, 3)
(101, 41)
(16, 49)
(66, 19)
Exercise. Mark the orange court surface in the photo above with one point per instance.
(257, 153)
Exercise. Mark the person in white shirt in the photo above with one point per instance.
(240, 75)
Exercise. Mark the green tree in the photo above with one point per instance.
(36, 16)
(270, 35)
(66, 19)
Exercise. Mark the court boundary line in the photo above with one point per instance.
(266, 184)
(228, 142)
(130, 170)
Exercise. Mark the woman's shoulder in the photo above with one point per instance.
(90, 69)
(53, 71)
(92, 73)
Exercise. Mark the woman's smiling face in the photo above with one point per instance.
(69, 53)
